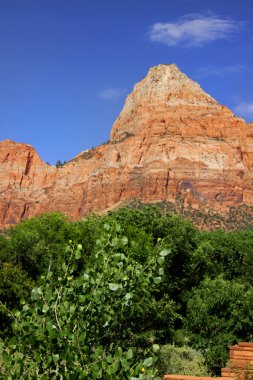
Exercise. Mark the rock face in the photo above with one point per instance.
(172, 142)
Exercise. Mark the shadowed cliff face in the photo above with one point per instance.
(172, 142)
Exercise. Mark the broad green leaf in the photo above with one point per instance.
(72, 309)
(49, 275)
(79, 281)
(67, 249)
(160, 260)
(56, 358)
(118, 352)
(96, 372)
(113, 368)
(128, 296)
(45, 308)
(129, 354)
(82, 297)
(37, 357)
(104, 364)
(155, 347)
(124, 240)
(49, 295)
(99, 351)
(164, 252)
(17, 313)
(35, 294)
(78, 254)
(64, 267)
(82, 336)
(124, 363)
(107, 226)
(148, 362)
(157, 280)
(114, 286)
(109, 359)
(114, 241)
(98, 243)
(72, 268)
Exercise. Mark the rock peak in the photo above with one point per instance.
(169, 79)
(163, 67)
(164, 86)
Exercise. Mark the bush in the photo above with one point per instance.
(73, 327)
(219, 313)
(14, 284)
(182, 361)
(36, 244)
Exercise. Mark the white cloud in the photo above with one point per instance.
(208, 71)
(193, 30)
(245, 109)
(111, 93)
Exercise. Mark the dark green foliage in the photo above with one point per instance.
(219, 313)
(36, 244)
(205, 297)
(228, 253)
(15, 284)
(3, 247)
(149, 225)
(74, 326)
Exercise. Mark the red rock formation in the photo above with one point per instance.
(172, 142)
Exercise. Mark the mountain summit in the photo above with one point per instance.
(164, 87)
(172, 142)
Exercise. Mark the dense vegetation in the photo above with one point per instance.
(124, 295)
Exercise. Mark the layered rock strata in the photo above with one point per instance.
(172, 142)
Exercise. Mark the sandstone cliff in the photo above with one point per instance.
(172, 142)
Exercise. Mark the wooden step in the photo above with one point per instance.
(245, 344)
(230, 373)
(242, 352)
(240, 364)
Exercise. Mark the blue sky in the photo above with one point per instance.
(66, 66)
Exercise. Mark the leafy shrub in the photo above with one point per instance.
(14, 284)
(73, 327)
(181, 360)
(36, 244)
(186, 300)
(219, 313)
(229, 254)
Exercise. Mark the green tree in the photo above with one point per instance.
(14, 285)
(36, 244)
(74, 325)
(231, 254)
(219, 313)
